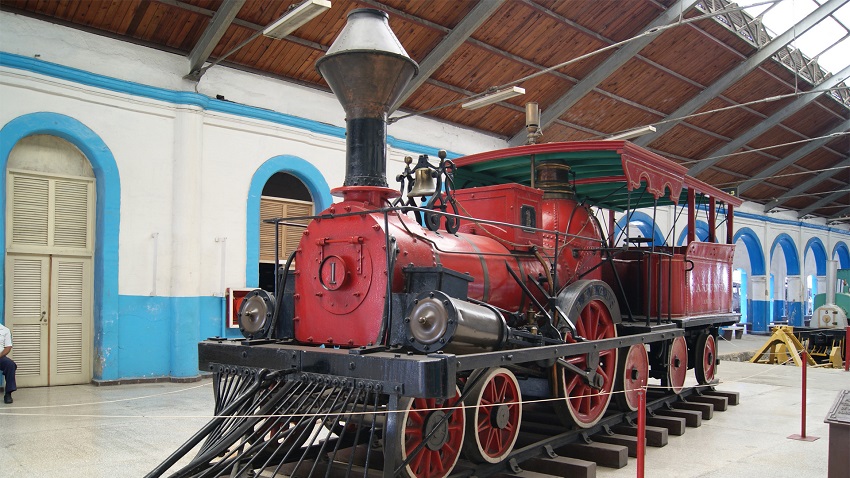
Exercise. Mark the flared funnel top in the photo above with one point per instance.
(366, 66)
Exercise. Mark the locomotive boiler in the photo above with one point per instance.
(412, 323)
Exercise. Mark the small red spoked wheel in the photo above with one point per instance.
(493, 415)
(632, 375)
(677, 365)
(705, 367)
(584, 404)
(438, 455)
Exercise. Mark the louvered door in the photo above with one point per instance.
(270, 208)
(49, 245)
(50, 215)
(70, 308)
(27, 285)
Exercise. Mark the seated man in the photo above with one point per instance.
(7, 365)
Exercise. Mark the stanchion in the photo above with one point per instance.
(641, 433)
(802, 436)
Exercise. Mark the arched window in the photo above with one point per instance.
(283, 196)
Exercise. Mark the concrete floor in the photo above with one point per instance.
(118, 431)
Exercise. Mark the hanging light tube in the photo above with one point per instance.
(494, 97)
(633, 133)
(295, 18)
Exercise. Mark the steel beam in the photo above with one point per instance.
(794, 157)
(603, 71)
(805, 186)
(449, 44)
(843, 213)
(744, 68)
(215, 30)
(768, 123)
(821, 203)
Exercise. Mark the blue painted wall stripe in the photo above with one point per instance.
(760, 309)
(193, 99)
(785, 222)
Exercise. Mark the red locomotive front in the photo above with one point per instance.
(343, 260)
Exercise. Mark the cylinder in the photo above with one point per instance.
(831, 281)
(436, 321)
(532, 114)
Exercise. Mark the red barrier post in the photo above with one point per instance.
(847, 349)
(641, 434)
(802, 436)
(803, 415)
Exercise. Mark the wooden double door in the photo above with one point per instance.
(48, 277)
(49, 313)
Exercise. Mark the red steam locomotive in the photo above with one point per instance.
(418, 321)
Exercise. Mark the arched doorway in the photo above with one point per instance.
(814, 272)
(841, 253)
(700, 232)
(787, 293)
(638, 224)
(107, 343)
(49, 260)
(750, 264)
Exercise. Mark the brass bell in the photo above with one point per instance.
(424, 184)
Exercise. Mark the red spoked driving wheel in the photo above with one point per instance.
(632, 375)
(586, 404)
(493, 415)
(677, 365)
(425, 423)
(705, 367)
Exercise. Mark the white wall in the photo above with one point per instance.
(164, 150)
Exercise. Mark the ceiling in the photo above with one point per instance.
(709, 85)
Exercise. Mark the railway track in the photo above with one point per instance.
(321, 427)
(546, 450)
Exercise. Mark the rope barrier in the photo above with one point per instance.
(352, 413)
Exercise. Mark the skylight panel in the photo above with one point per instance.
(836, 58)
(787, 14)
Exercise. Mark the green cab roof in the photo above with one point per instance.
(614, 175)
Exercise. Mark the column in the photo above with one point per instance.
(758, 306)
(795, 301)
(186, 241)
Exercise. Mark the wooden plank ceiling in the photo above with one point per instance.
(523, 37)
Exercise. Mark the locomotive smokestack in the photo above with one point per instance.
(367, 69)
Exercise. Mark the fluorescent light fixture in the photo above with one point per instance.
(494, 97)
(633, 133)
(295, 18)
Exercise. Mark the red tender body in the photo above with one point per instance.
(701, 280)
